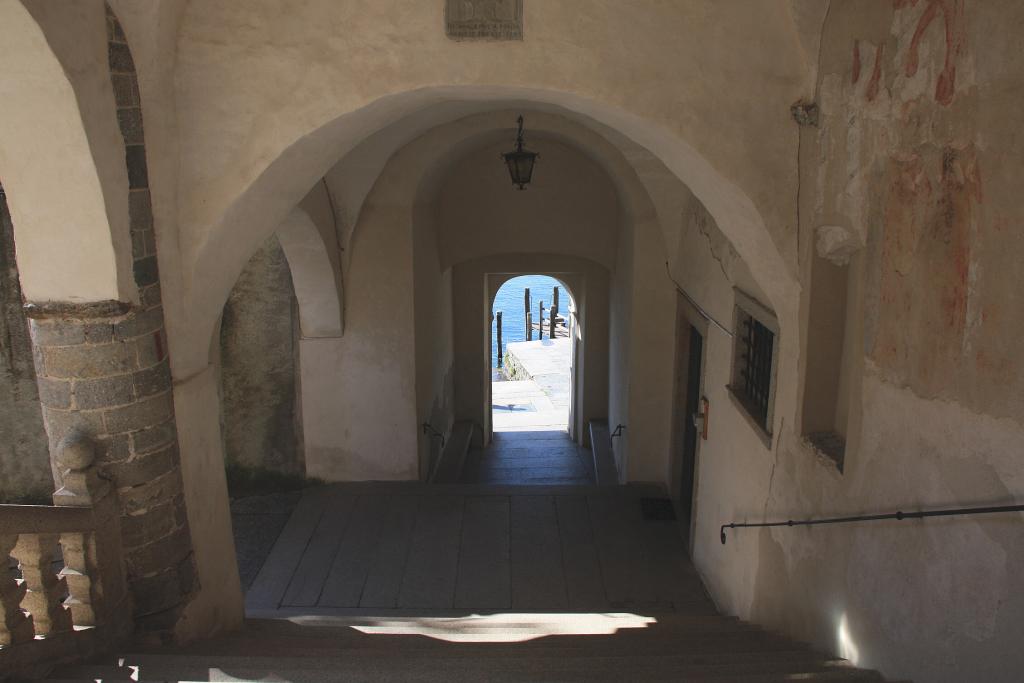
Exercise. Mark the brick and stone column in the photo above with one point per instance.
(103, 368)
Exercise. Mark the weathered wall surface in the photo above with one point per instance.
(651, 332)
(240, 176)
(24, 453)
(620, 304)
(435, 382)
(63, 133)
(259, 357)
(917, 159)
(571, 206)
(359, 390)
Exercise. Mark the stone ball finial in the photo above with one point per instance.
(76, 451)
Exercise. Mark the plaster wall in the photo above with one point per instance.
(359, 390)
(435, 383)
(60, 131)
(651, 360)
(235, 55)
(310, 241)
(571, 206)
(241, 173)
(915, 158)
(620, 345)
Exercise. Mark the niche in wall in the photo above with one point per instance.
(825, 406)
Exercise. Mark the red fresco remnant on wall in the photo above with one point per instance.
(961, 188)
(955, 38)
(926, 255)
(876, 75)
(855, 76)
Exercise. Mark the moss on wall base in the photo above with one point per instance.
(245, 481)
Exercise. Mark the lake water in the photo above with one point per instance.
(510, 302)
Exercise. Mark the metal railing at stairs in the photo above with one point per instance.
(898, 515)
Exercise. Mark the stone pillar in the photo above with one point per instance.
(103, 370)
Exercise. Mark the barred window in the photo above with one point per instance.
(754, 361)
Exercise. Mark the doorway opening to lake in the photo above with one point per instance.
(534, 331)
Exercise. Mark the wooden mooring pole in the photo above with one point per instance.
(498, 318)
(528, 317)
(540, 321)
(554, 314)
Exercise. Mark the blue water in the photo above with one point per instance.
(509, 301)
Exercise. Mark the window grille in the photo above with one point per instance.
(755, 366)
(754, 359)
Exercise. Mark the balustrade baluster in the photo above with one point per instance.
(82, 487)
(79, 564)
(15, 624)
(45, 594)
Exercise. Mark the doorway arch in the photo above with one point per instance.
(519, 327)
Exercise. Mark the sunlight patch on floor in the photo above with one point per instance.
(495, 628)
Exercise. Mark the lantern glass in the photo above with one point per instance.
(520, 167)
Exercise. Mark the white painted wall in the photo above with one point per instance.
(571, 207)
(359, 391)
(432, 299)
(61, 154)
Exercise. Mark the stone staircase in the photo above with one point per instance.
(401, 581)
(669, 647)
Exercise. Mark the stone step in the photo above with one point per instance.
(400, 488)
(150, 664)
(711, 645)
(417, 667)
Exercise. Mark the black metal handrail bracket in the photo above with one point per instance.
(898, 515)
(429, 429)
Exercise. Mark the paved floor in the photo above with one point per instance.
(411, 546)
(530, 417)
(530, 458)
(524, 406)
(547, 362)
(257, 521)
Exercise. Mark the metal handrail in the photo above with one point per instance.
(429, 429)
(898, 515)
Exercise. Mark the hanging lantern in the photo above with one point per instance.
(520, 162)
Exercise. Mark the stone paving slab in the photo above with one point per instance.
(542, 401)
(467, 547)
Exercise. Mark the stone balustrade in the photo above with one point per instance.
(48, 616)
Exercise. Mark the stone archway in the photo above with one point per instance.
(256, 212)
(315, 279)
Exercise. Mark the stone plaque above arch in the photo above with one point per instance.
(484, 19)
